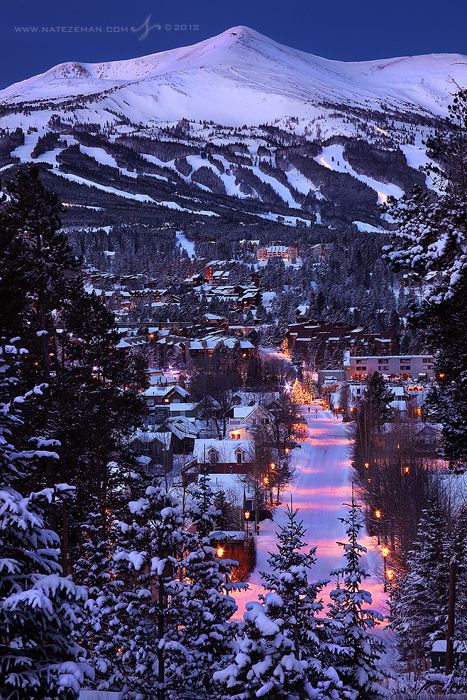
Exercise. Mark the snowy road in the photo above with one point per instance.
(320, 487)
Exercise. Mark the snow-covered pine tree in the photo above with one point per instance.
(419, 600)
(94, 569)
(143, 618)
(430, 245)
(39, 608)
(458, 541)
(206, 635)
(359, 665)
(284, 651)
(93, 399)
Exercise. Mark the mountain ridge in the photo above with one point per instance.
(246, 59)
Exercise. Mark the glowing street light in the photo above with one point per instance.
(385, 552)
(220, 552)
(367, 465)
(378, 516)
(246, 515)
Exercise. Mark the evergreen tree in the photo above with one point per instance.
(144, 616)
(430, 244)
(458, 539)
(35, 260)
(91, 402)
(283, 651)
(360, 665)
(419, 600)
(206, 634)
(344, 401)
(39, 608)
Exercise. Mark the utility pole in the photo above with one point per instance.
(451, 617)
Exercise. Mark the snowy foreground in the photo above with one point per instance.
(321, 485)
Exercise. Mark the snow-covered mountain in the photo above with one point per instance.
(241, 76)
(236, 128)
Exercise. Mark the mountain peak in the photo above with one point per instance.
(241, 74)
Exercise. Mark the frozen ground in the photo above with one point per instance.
(321, 486)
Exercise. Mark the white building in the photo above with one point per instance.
(393, 366)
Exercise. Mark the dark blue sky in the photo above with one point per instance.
(341, 29)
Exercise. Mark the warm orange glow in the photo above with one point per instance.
(272, 465)
(220, 552)
(120, 650)
(367, 465)
(442, 375)
(266, 480)
(384, 551)
(378, 514)
(247, 515)
(390, 574)
(406, 470)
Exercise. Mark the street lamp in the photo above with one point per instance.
(385, 552)
(367, 465)
(378, 515)
(247, 518)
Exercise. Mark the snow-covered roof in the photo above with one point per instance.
(161, 390)
(241, 412)
(147, 436)
(226, 450)
(181, 407)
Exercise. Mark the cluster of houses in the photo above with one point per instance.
(179, 439)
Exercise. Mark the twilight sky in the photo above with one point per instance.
(37, 34)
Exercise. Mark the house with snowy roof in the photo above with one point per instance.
(244, 420)
(224, 456)
(160, 395)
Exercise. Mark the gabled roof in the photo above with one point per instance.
(226, 450)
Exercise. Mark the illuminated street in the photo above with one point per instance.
(320, 487)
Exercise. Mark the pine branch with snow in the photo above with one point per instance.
(360, 663)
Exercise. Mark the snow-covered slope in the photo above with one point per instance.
(241, 76)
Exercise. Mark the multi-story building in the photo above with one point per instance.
(286, 252)
(393, 366)
(308, 335)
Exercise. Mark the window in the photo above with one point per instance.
(426, 359)
(213, 456)
(239, 457)
(362, 369)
